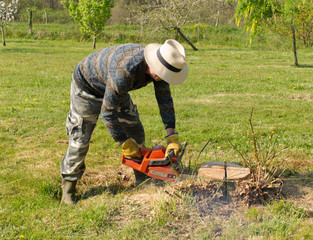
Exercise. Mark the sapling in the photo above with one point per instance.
(91, 15)
(7, 11)
(30, 21)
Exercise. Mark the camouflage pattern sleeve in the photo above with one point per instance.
(165, 102)
(113, 98)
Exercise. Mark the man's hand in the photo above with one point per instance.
(172, 144)
(130, 149)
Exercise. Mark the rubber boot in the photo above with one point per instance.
(140, 177)
(68, 195)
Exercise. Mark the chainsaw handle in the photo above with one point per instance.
(171, 154)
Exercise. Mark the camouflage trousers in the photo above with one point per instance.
(80, 123)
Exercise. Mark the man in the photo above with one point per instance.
(100, 85)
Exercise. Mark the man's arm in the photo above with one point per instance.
(110, 119)
(115, 94)
(170, 131)
(166, 105)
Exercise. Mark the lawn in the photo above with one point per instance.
(213, 105)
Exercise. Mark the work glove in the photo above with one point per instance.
(172, 144)
(130, 149)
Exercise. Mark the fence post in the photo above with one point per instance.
(46, 16)
(30, 21)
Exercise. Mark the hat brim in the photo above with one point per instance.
(154, 63)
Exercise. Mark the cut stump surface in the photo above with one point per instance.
(215, 170)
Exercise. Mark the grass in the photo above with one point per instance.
(230, 36)
(54, 31)
(214, 104)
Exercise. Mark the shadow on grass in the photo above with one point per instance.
(305, 66)
(20, 50)
(28, 46)
(95, 191)
(56, 192)
(117, 188)
(22, 41)
(296, 185)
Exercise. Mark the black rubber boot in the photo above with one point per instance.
(140, 177)
(68, 195)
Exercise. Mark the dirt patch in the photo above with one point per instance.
(108, 177)
(302, 97)
(62, 141)
(300, 192)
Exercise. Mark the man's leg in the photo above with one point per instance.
(80, 123)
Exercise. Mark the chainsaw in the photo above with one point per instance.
(154, 164)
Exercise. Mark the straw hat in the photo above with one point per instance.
(168, 61)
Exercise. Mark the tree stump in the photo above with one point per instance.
(218, 170)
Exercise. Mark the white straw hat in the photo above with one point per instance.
(168, 61)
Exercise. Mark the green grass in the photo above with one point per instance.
(214, 104)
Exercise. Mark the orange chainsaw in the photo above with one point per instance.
(154, 163)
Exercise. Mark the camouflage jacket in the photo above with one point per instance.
(112, 72)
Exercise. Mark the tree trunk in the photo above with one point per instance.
(294, 43)
(198, 28)
(3, 39)
(46, 16)
(94, 42)
(217, 19)
(176, 34)
(141, 27)
(30, 21)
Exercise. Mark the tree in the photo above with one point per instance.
(215, 12)
(260, 13)
(7, 11)
(53, 4)
(305, 24)
(40, 4)
(290, 11)
(174, 14)
(140, 10)
(30, 20)
(91, 15)
(169, 14)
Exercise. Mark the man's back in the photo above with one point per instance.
(121, 66)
